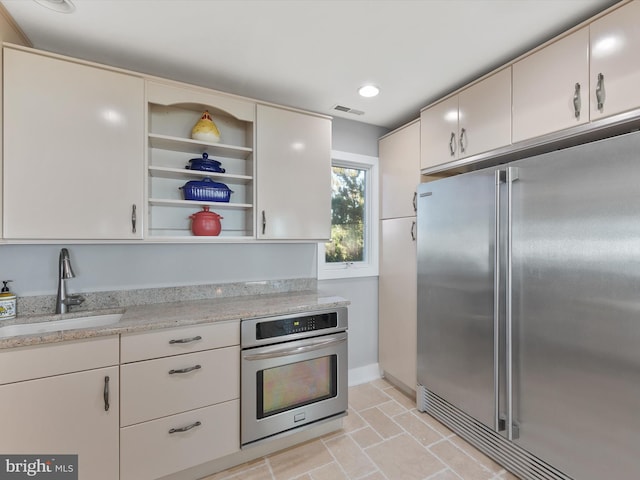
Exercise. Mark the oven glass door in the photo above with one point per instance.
(291, 384)
(296, 384)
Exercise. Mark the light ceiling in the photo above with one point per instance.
(310, 54)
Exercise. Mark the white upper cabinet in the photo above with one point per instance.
(73, 150)
(399, 154)
(439, 133)
(293, 170)
(615, 65)
(476, 120)
(550, 88)
(485, 115)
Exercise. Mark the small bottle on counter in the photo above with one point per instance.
(7, 302)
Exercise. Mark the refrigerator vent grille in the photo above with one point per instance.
(491, 443)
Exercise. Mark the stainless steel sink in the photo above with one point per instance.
(57, 325)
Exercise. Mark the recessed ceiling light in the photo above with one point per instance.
(368, 91)
(62, 6)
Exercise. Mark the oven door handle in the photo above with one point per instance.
(285, 351)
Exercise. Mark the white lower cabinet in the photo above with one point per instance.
(398, 300)
(167, 445)
(74, 413)
(180, 399)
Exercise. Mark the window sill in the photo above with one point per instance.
(347, 272)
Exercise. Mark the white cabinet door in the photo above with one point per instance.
(73, 150)
(397, 300)
(439, 133)
(615, 72)
(484, 115)
(293, 168)
(399, 154)
(65, 414)
(550, 88)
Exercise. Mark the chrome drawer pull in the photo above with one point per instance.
(184, 429)
(185, 340)
(185, 370)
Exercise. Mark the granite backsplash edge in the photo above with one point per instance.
(45, 304)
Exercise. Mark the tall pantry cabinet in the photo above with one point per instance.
(399, 156)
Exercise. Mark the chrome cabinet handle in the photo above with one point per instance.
(264, 222)
(415, 201)
(185, 429)
(413, 230)
(600, 93)
(185, 340)
(133, 218)
(185, 370)
(462, 135)
(577, 102)
(105, 394)
(452, 144)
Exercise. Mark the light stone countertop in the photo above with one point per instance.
(177, 314)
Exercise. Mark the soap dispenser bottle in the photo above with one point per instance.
(7, 302)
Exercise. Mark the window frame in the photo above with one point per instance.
(368, 267)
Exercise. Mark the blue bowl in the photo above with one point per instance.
(205, 164)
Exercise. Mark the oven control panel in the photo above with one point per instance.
(290, 326)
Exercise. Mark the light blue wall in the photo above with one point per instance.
(356, 137)
(34, 268)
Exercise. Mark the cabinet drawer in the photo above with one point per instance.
(173, 341)
(150, 390)
(149, 451)
(37, 361)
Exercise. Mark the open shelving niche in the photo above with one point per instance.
(171, 148)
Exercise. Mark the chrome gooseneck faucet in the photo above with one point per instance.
(64, 300)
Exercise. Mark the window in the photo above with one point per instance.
(353, 249)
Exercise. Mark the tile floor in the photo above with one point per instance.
(384, 438)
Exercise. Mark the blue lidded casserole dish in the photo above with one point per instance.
(206, 190)
(205, 164)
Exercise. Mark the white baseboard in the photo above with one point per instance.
(365, 374)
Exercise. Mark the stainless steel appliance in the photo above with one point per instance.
(294, 372)
(529, 310)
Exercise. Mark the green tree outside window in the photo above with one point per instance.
(348, 195)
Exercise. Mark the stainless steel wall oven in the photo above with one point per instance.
(294, 372)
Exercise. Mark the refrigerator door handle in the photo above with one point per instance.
(498, 425)
(512, 176)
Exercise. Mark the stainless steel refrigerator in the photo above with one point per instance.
(529, 310)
